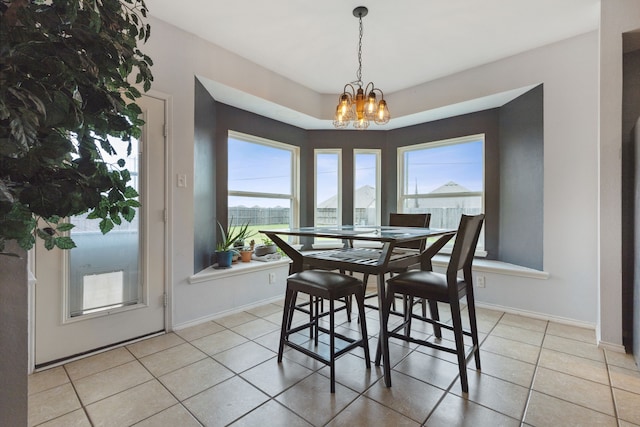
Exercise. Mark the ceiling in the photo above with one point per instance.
(405, 43)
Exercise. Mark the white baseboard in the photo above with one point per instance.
(220, 314)
(536, 315)
(617, 348)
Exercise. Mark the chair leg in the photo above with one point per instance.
(332, 346)
(471, 307)
(459, 338)
(408, 311)
(311, 310)
(435, 315)
(423, 303)
(287, 314)
(319, 308)
(291, 306)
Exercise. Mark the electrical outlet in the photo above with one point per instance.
(480, 282)
(272, 278)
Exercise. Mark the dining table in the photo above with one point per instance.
(382, 253)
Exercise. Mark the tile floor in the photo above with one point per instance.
(224, 372)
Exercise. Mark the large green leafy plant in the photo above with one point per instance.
(69, 77)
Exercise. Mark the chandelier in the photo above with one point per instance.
(360, 106)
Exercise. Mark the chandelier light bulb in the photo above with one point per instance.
(382, 115)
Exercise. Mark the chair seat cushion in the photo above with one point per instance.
(424, 284)
(326, 284)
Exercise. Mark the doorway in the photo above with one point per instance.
(110, 289)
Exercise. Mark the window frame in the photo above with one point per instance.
(338, 152)
(378, 154)
(401, 178)
(294, 197)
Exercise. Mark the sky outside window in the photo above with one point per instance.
(259, 168)
(431, 168)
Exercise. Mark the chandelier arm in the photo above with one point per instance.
(346, 92)
(379, 90)
(367, 91)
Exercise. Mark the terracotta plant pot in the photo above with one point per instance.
(245, 256)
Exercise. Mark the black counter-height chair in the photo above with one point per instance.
(447, 288)
(329, 286)
(405, 220)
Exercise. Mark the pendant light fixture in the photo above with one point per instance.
(360, 106)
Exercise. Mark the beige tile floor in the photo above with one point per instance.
(534, 373)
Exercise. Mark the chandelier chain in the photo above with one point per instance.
(359, 73)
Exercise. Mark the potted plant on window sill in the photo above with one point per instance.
(224, 248)
(267, 247)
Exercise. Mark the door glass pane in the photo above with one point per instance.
(104, 270)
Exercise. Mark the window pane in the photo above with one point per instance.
(259, 168)
(446, 180)
(433, 169)
(366, 181)
(265, 169)
(327, 189)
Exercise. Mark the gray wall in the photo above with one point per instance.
(630, 177)
(14, 333)
(505, 122)
(522, 180)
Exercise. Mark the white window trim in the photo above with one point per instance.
(338, 152)
(378, 154)
(294, 197)
(434, 144)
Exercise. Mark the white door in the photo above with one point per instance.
(111, 288)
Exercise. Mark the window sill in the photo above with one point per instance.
(211, 273)
(497, 267)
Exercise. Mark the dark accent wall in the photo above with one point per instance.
(485, 122)
(522, 180)
(204, 179)
(630, 177)
(513, 168)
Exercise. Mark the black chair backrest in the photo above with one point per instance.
(466, 242)
(411, 220)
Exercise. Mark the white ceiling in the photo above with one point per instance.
(406, 42)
